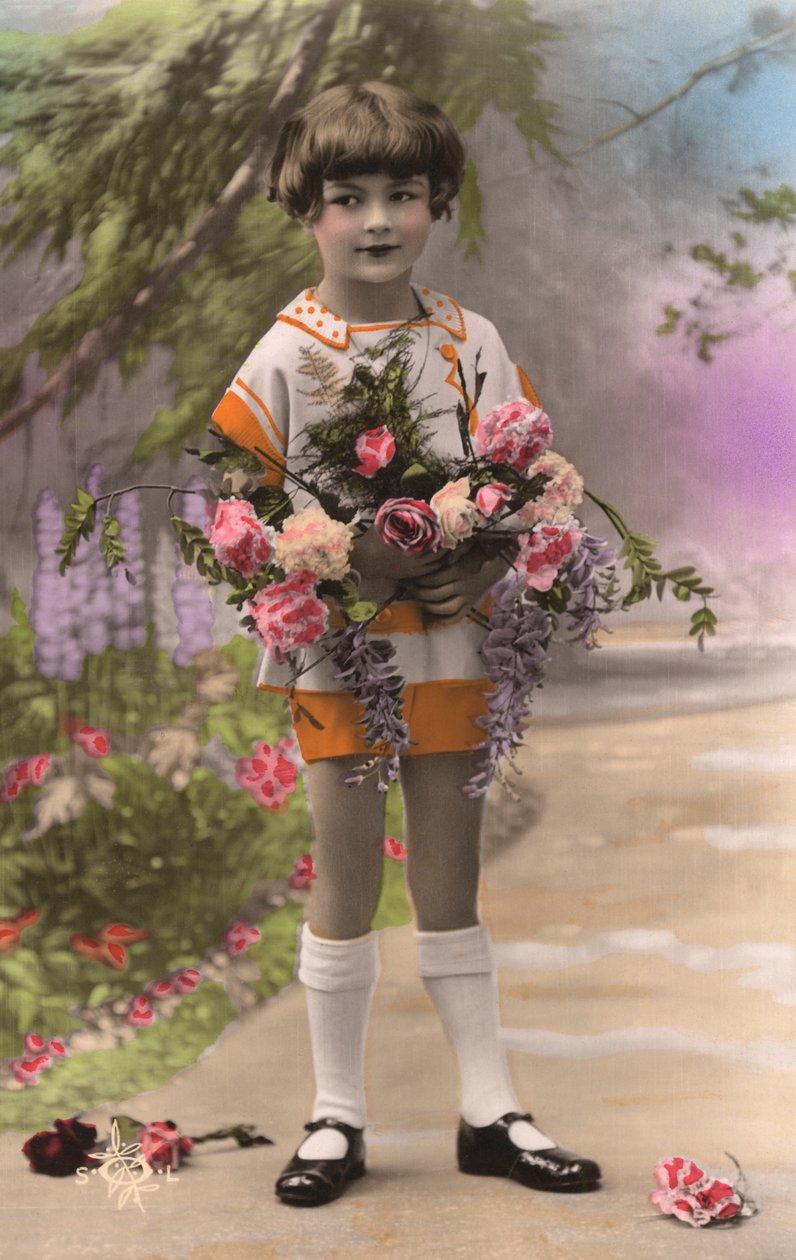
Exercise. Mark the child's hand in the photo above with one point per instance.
(374, 559)
(451, 590)
(239, 485)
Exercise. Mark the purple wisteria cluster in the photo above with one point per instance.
(192, 605)
(514, 652)
(363, 667)
(591, 579)
(88, 608)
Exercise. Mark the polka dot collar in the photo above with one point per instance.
(306, 313)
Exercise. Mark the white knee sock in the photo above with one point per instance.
(339, 979)
(459, 976)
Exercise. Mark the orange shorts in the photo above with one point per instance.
(440, 717)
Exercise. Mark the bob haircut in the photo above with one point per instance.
(361, 129)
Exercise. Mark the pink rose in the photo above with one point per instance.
(239, 539)
(543, 552)
(375, 448)
(394, 849)
(456, 513)
(161, 1144)
(268, 775)
(302, 873)
(515, 434)
(94, 740)
(289, 614)
(409, 525)
(490, 498)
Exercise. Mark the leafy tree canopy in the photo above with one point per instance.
(124, 131)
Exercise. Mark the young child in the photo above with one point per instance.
(367, 170)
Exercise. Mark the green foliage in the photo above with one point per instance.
(648, 574)
(78, 523)
(471, 230)
(776, 205)
(249, 714)
(732, 279)
(197, 551)
(111, 542)
(123, 131)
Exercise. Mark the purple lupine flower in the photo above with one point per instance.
(514, 652)
(57, 651)
(90, 586)
(364, 669)
(192, 604)
(128, 612)
(590, 576)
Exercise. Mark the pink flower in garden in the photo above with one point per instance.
(312, 541)
(94, 740)
(491, 498)
(239, 936)
(302, 873)
(375, 448)
(562, 493)
(289, 615)
(161, 1144)
(409, 525)
(22, 774)
(186, 980)
(394, 849)
(268, 775)
(456, 512)
(515, 434)
(139, 1013)
(159, 989)
(27, 1071)
(239, 539)
(543, 551)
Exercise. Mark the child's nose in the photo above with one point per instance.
(377, 216)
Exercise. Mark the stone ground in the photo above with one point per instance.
(641, 900)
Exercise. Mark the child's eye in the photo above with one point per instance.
(403, 195)
(345, 199)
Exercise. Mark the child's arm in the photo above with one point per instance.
(374, 559)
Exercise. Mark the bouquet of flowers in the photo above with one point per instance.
(369, 463)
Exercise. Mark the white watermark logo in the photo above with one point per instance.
(126, 1171)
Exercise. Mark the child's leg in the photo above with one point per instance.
(338, 958)
(443, 830)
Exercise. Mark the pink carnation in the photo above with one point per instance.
(311, 541)
(543, 552)
(268, 775)
(289, 615)
(515, 434)
(375, 448)
(688, 1194)
(562, 493)
(239, 539)
(94, 740)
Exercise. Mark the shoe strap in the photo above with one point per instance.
(329, 1122)
(511, 1116)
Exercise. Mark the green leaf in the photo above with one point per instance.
(78, 523)
(110, 541)
(361, 610)
(471, 231)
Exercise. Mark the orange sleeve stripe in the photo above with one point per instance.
(242, 385)
(527, 388)
(235, 420)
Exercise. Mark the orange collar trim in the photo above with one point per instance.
(307, 314)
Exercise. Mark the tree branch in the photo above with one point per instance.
(212, 226)
(710, 67)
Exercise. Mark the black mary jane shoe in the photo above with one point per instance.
(489, 1152)
(311, 1182)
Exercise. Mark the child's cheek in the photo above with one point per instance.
(417, 220)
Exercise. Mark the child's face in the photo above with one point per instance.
(372, 228)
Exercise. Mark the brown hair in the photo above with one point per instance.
(359, 129)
